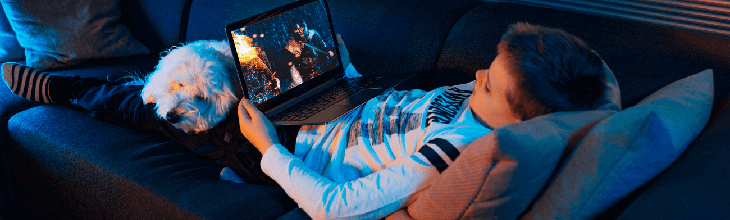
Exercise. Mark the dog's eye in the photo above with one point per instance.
(181, 85)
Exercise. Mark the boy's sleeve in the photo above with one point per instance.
(371, 197)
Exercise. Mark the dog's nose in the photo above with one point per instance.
(172, 117)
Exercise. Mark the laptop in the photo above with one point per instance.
(289, 66)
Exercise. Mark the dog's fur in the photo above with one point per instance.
(194, 86)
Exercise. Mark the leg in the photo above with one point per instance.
(104, 100)
(229, 148)
(27, 82)
(250, 157)
(122, 104)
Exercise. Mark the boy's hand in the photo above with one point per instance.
(344, 55)
(256, 127)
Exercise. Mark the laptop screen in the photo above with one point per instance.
(282, 49)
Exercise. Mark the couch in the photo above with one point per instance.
(59, 163)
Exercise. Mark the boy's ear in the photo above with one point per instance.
(511, 93)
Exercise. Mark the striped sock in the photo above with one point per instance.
(27, 82)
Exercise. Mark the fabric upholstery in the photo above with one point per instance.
(499, 174)
(58, 33)
(688, 189)
(157, 24)
(384, 37)
(110, 170)
(9, 47)
(626, 150)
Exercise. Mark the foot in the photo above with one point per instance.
(27, 82)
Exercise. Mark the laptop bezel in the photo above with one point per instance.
(305, 87)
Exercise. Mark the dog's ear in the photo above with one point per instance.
(233, 78)
(149, 100)
(226, 100)
(146, 95)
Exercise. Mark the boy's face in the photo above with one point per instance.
(488, 101)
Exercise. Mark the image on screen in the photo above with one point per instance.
(284, 51)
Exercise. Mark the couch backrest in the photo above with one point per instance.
(429, 38)
(643, 57)
(397, 37)
(208, 19)
(156, 24)
(383, 37)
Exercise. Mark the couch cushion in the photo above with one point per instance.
(696, 185)
(9, 47)
(86, 168)
(67, 32)
(626, 150)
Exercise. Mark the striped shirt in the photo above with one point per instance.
(377, 158)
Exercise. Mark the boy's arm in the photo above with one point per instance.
(371, 197)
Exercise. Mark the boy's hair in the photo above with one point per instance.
(555, 71)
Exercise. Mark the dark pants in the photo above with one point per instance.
(223, 144)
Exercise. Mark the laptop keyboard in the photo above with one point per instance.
(341, 90)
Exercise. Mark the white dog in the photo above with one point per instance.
(194, 86)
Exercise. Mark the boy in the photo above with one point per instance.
(378, 158)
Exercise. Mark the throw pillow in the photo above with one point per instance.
(58, 33)
(500, 173)
(627, 149)
(10, 49)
